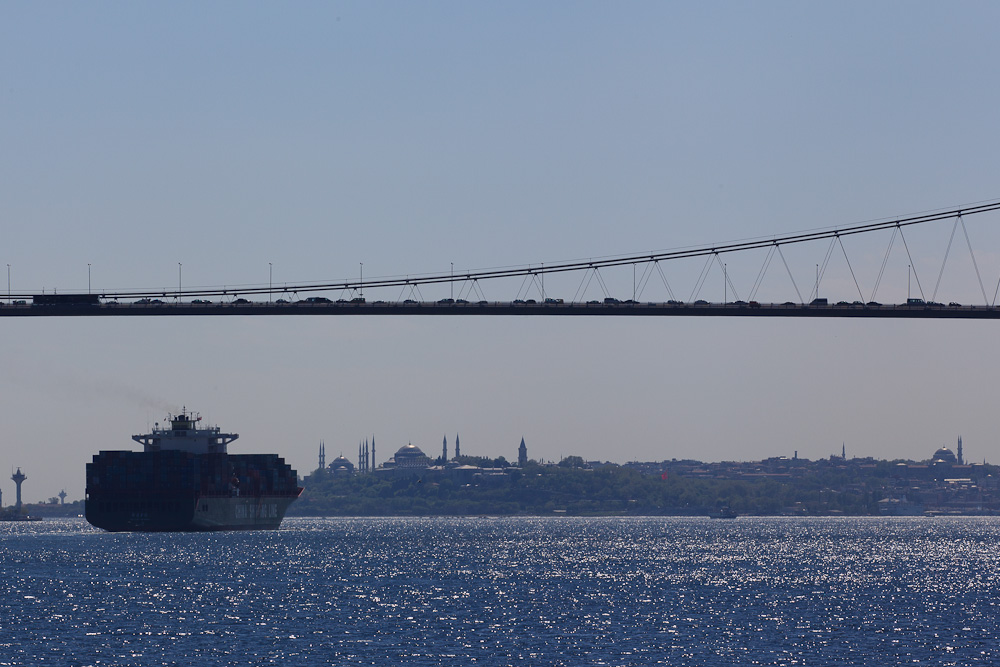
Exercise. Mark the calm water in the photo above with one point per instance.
(507, 591)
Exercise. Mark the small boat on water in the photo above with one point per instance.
(723, 513)
(16, 516)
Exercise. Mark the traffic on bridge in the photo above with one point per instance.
(93, 305)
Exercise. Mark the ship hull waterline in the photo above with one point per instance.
(200, 514)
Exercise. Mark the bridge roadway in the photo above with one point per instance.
(506, 308)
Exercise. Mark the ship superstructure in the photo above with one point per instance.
(185, 479)
(185, 436)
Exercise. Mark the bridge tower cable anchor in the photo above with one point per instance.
(826, 261)
(727, 282)
(790, 276)
(850, 268)
(664, 278)
(913, 267)
(944, 261)
(647, 272)
(581, 290)
(702, 276)
(975, 265)
(885, 261)
(600, 281)
(763, 271)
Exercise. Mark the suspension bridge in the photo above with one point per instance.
(403, 295)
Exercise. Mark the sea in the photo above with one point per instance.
(507, 591)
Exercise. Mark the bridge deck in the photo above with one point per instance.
(506, 308)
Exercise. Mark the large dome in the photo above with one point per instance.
(409, 451)
(945, 455)
(410, 456)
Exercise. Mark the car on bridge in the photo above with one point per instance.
(317, 299)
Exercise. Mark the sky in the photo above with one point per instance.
(233, 144)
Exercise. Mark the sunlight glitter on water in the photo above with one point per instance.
(500, 591)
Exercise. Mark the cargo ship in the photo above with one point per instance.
(185, 480)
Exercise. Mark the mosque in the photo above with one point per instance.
(944, 456)
(410, 460)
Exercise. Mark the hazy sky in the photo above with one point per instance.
(306, 138)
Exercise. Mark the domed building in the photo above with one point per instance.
(944, 455)
(408, 458)
(342, 466)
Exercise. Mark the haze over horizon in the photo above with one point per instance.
(223, 144)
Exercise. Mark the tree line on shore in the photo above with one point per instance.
(604, 490)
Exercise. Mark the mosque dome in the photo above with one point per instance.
(411, 456)
(341, 465)
(409, 451)
(945, 455)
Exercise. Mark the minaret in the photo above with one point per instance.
(522, 454)
(322, 455)
(62, 497)
(18, 478)
(843, 451)
(961, 461)
(373, 454)
(444, 450)
(458, 448)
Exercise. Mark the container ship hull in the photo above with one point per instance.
(162, 514)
